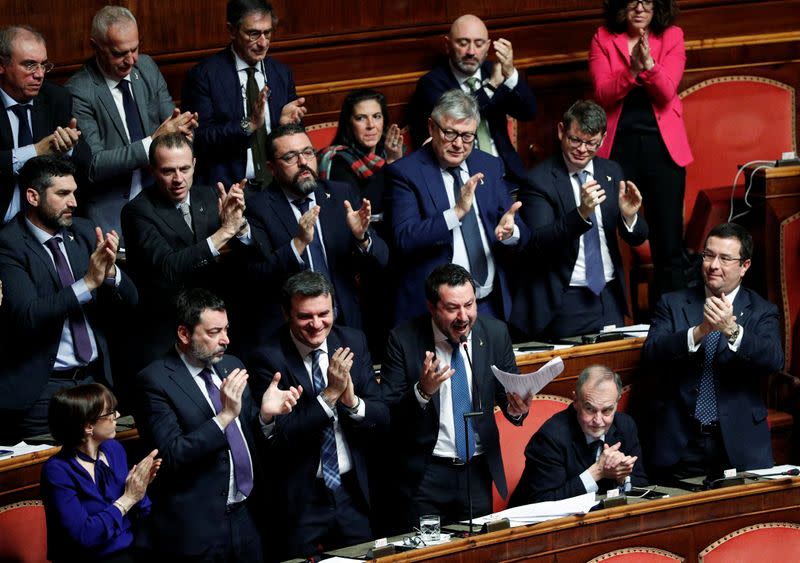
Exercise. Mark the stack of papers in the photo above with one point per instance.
(524, 384)
(542, 511)
(21, 449)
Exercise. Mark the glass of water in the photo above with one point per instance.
(429, 527)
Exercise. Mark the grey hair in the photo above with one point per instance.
(9, 34)
(598, 373)
(108, 16)
(456, 104)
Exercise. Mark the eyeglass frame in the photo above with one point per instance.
(724, 259)
(113, 412)
(576, 142)
(293, 157)
(32, 66)
(647, 5)
(254, 35)
(455, 134)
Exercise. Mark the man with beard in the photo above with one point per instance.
(303, 223)
(62, 289)
(38, 114)
(195, 407)
(497, 87)
(429, 384)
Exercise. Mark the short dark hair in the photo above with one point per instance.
(344, 132)
(590, 117)
(602, 373)
(7, 37)
(614, 13)
(306, 284)
(732, 230)
(237, 10)
(38, 172)
(72, 408)
(190, 304)
(282, 131)
(452, 275)
(168, 141)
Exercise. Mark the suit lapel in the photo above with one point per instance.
(479, 358)
(621, 43)
(693, 307)
(433, 180)
(295, 364)
(38, 250)
(171, 217)
(231, 86)
(202, 213)
(281, 209)
(77, 256)
(140, 96)
(178, 373)
(107, 100)
(40, 114)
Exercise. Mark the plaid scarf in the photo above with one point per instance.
(362, 165)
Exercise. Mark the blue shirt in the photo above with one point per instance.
(81, 522)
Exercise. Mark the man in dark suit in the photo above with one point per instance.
(320, 446)
(122, 104)
(178, 235)
(428, 384)
(303, 223)
(576, 204)
(37, 116)
(707, 351)
(584, 449)
(62, 291)
(195, 407)
(241, 94)
(450, 203)
(497, 87)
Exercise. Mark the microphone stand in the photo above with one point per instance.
(467, 416)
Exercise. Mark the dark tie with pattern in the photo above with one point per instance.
(328, 455)
(24, 136)
(471, 232)
(242, 469)
(593, 259)
(317, 252)
(462, 403)
(186, 213)
(482, 134)
(132, 117)
(77, 322)
(258, 140)
(706, 409)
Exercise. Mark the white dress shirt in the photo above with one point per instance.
(695, 346)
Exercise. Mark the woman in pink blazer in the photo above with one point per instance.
(636, 61)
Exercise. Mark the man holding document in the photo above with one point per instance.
(437, 368)
(585, 449)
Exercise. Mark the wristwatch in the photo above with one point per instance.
(734, 335)
(245, 123)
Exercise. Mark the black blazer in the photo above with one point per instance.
(298, 435)
(191, 492)
(674, 376)
(518, 103)
(414, 430)
(557, 454)
(51, 108)
(35, 307)
(548, 207)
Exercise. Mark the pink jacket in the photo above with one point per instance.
(609, 63)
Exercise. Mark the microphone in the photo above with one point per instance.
(794, 472)
(475, 390)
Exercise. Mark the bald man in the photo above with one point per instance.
(497, 86)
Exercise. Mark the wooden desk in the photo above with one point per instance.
(684, 525)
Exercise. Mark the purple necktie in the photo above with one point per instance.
(593, 260)
(77, 322)
(242, 470)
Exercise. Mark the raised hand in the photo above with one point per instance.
(276, 401)
(393, 144)
(592, 195)
(630, 200)
(505, 56)
(305, 229)
(102, 260)
(338, 374)
(358, 221)
(433, 374)
(230, 396)
(293, 112)
(258, 111)
(505, 227)
(718, 314)
(464, 203)
(138, 479)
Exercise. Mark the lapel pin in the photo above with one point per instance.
(480, 342)
(608, 178)
(202, 209)
(327, 195)
(71, 238)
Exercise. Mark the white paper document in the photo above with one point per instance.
(543, 511)
(638, 330)
(22, 448)
(524, 384)
(773, 472)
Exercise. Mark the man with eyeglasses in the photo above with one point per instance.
(38, 113)
(241, 94)
(303, 223)
(706, 354)
(448, 203)
(576, 203)
(497, 86)
(122, 103)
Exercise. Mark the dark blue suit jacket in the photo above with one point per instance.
(212, 89)
(35, 307)
(416, 201)
(190, 494)
(557, 454)
(742, 413)
(274, 226)
(298, 435)
(548, 206)
(519, 103)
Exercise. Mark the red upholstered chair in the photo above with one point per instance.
(624, 399)
(637, 555)
(790, 290)
(771, 541)
(513, 440)
(322, 134)
(23, 532)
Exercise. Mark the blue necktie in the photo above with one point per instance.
(242, 469)
(24, 136)
(706, 409)
(329, 458)
(471, 232)
(462, 403)
(317, 252)
(132, 117)
(593, 260)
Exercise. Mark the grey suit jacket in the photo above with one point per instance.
(105, 155)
